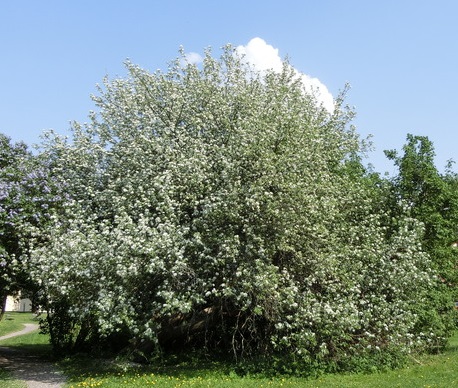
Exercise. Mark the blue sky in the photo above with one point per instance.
(400, 57)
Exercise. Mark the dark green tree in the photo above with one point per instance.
(431, 198)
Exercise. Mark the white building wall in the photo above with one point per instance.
(10, 303)
(18, 304)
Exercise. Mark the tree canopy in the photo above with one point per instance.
(216, 207)
(26, 200)
(431, 198)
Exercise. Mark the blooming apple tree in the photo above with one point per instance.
(212, 206)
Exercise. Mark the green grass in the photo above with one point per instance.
(34, 342)
(426, 371)
(6, 381)
(83, 371)
(13, 321)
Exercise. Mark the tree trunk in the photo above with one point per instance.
(4, 299)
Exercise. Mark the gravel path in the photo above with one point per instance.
(35, 372)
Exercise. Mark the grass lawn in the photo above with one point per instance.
(7, 382)
(15, 321)
(83, 371)
(33, 342)
(426, 371)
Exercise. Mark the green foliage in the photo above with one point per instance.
(12, 170)
(215, 207)
(28, 197)
(432, 199)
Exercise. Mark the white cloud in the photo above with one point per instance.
(262, 55)
(192, 58)
(265, 57)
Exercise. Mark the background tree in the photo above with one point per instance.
(431, 198)
(26, 200)
(11, 158)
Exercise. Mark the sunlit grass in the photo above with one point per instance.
(151, 379)
(14, 321)
(34, 342)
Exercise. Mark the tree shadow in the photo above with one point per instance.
(30, 363)
(84, 366)
(41, 351)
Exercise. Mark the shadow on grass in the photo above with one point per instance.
(452, 350)
(79, 367)
(30, 363)
(5, 376)
(190, 367)
(40, 351)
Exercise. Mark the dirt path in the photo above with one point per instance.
(33, 371)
